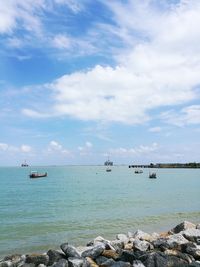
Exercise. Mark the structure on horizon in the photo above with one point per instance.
(108, 163)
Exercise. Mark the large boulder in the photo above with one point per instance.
(15, 260)
(159, 259)
(70, 251)
(173, 241)
(192, 235)
(142, 236)
(192, 249)
(74, 262)
(37, 259)
(183, 226)
(54, 256)
(123, 238)
(142, 245)
(93, 252)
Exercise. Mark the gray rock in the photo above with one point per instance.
(127, 256)
(138, 264)
(142, 235)
(142, 245)
(182, 227)
(159, 259)
(192, 235)
(37, 259)
(123, 238)
(70, 251)
(5, 264)
(108, 263)
(112, 263)
(121, 264)
(60, 263)
(186, 257)
(54, 256)
(176, 240)
(15, 259)
(73, 262)
(192, 249)
(100, 260)
(198, 226)
(94, 252)
(118, 245)
(170, 242)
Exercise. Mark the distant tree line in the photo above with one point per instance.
(168, 165)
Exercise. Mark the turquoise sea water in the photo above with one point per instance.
(78, 203)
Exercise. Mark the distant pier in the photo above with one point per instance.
(191, 165)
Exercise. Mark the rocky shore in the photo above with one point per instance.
(179, 246)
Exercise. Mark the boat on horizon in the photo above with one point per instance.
(138, 171)
(152, 175)
(108, 162)
(35, 174)
(25, 164)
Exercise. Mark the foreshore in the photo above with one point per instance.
(179, 246)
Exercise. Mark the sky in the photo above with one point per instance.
(81, 80)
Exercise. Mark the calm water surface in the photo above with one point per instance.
(76, 204)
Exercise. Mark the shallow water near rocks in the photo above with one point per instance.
(78, 203)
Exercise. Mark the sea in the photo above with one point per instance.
(75, 204)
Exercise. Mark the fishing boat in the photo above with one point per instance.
(152, 175)
(138, 171)
(108, 169)
(35, 174)
(108, 162)
(24, 164)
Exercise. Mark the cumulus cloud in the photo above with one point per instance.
(160, 69)
(86, 149)
(54, 146)
(3, 146)
(186, 116)
(16, 13)
(155, 129)
(25, 148)
(10, 148)
(138, 151)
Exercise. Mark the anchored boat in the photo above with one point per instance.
(35, 174)
(152, 175)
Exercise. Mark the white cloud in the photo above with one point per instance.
(54, 146)
(136, 151)
(17, 13)
(15, 149)
(26, 148)
(187, 115)
(3, 146)
(74, 5)
(160, 69)
(155, 129)
(61, 41)
(86, 149)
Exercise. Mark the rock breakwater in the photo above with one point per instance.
(179, 247)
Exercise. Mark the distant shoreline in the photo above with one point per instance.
(191, 165)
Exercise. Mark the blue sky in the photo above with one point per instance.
(83, 79)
